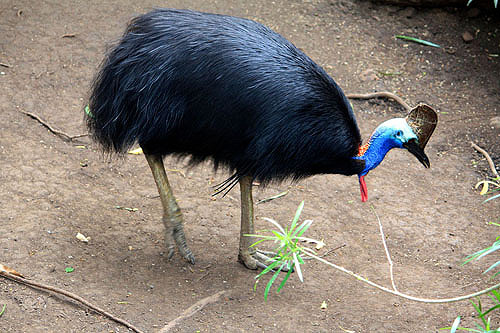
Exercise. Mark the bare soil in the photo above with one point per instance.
(51, 189)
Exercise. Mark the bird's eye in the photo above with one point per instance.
(399, 133)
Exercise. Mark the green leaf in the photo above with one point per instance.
(455, 325)
(418, 40)
(275, 223)
(87, 111)
(260, 241)
(493, 197)
(297, 265)
(302, 228)
(492, 266)
(69, 269)
(479, 309)
(497, 296)
(297, 215)
(268, 268)
(282, 284)
(271, 281)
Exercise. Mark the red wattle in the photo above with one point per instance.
(363, 188)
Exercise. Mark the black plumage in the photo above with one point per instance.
(222, 88)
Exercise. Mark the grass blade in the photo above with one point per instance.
(492, 266)
(275, 223)
(3, 309)
(490, 309)
(282, 284)
(297, 266)
(493, 197)
(268, 268)
(418, 40)
(271, 281)
(303, 227)
(455, 325)
(297, 215)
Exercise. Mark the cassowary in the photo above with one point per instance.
(235, 92)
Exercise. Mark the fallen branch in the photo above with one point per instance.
(384, 94)
(198, 306)
(64, 136)
(488, 158)
(68, 294)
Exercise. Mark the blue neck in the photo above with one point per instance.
(378, 148)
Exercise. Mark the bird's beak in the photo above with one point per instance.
(414, 148)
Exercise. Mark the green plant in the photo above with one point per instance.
(495, 294)
(288, 250)
(495, 2)
(486, 328)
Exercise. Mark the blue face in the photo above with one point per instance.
(393, 133)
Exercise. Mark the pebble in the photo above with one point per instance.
(467, 37)
(495, 122)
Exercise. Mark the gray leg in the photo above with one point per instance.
(250, 257)
(172, 215)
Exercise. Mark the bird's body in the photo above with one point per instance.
(233, 91)
(226, 89)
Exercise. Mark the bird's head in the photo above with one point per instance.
(410, 133)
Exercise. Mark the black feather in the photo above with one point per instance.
(226, 89)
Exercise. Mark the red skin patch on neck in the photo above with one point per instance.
(363, 188)
(362, 149)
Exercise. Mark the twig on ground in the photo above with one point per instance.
(3, 64)
(488, 158)
(385, 248)
(192, 310)
(64, 136)
(385, 94)
(279, 195)
(395, 292)
(68, 294)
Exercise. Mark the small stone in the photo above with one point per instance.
(467, 37)
(495, 122)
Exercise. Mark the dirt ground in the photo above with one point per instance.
(50, 189)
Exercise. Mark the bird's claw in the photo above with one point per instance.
(175, 237)
(258, 259)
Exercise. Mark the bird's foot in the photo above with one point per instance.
(175, 237)
(258, 259)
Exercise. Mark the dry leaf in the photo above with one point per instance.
(82, 238)
(137, 151)
(6, 270)
(320, 245)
